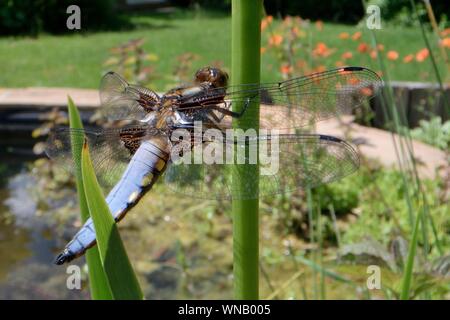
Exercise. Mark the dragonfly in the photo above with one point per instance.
(145, 145)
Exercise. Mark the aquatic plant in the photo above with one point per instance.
(245, 68)
(111, 273)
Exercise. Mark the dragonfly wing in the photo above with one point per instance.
(287, 162)
(306, 160)
(122, 101)
(110, 149)
(302, 101)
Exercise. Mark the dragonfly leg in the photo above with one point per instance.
(214, 119)
(229, 112)
(247, 103)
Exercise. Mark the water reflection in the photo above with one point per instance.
(26, 245)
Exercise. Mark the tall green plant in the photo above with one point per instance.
(432, 58)
(408, 270)
(414, 194)
(245, 68)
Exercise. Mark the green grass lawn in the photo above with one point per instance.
(77, 60)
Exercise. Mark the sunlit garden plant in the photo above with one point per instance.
(387, 203)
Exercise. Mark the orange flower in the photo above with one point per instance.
(357, 35)
(319, 25)
(264, 24)
(301, 63)
(263, 49)
(363, 47)
(353, 81)
(320, 68)
(297, 32)
(422, 55)
(344, 35)
(446, 42)
(347, 55)
(275, 40)
(366, 91)
(322, 50)
(287, 20)
(286, 69)
(392, 55)
(339, 63)
(408, 58)
(380, 47)
(373, 54)
(445, 32)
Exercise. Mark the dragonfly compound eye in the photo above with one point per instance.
(215, 76)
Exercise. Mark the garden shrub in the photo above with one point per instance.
(344, 11)
(400, 11)
(29, 17)
(434, 132)
(343, 195)
(384, 210)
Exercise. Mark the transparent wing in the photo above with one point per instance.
(107, 147)
(287, 163)
(120, 100)
(302, 101)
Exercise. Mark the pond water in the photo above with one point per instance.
(27, 247)
(32, 233)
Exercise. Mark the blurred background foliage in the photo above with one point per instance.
(30, 17)
(341, 11)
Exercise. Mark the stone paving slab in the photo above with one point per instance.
(379, 144)
(47, 97)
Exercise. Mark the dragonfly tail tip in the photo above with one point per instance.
(65, 256)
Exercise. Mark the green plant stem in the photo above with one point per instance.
(434, 24)
(408, 271)
(408, 155)
(245, 68)
(406, 152)
(432, 59)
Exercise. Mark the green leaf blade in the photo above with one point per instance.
(119, 272)
(98, 283)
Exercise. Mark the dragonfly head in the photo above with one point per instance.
(216, 77)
